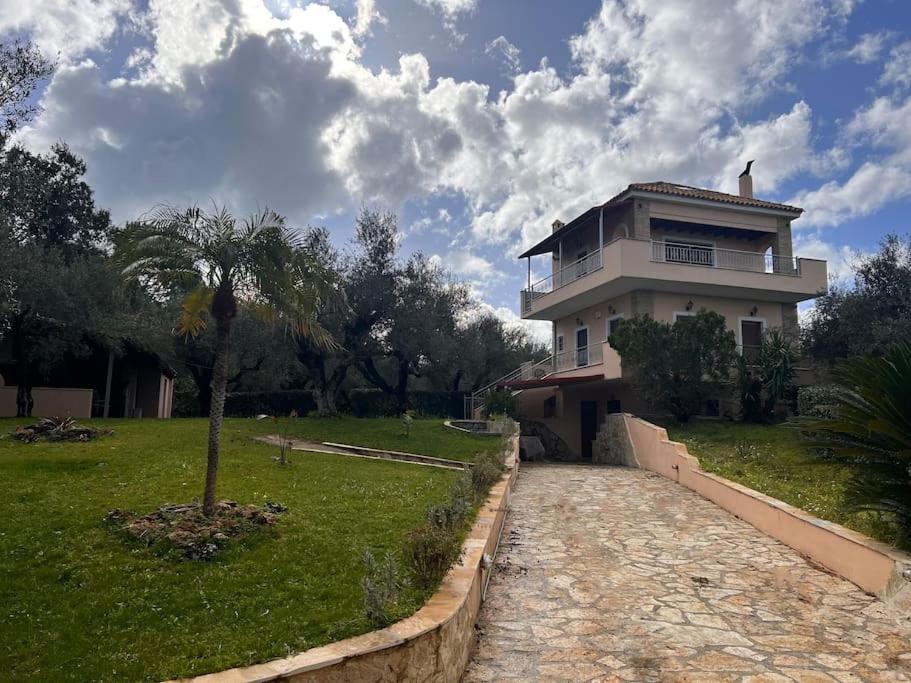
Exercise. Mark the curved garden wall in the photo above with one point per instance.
(434, 644)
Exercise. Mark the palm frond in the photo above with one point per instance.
(193, 312)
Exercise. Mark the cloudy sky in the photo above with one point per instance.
(481, 121)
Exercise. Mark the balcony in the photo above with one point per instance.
(711, 257)
(625, 265)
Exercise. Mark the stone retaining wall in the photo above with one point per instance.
(434, 644)
(871, 565)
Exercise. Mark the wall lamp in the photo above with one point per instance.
(689, 305)
(754, 311)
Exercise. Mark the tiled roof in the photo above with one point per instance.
(676, 190)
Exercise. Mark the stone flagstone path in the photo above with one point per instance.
(619, 574)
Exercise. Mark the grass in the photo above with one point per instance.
(428, 437)
(772, 459)
(79, 603)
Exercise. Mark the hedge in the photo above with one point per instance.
(359, 402)
(250, 403)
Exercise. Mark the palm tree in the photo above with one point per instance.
(871, 422)
(220, 260)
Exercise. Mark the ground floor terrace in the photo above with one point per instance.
(567, 414)
(608, 573)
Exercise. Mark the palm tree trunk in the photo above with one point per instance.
(217, 411)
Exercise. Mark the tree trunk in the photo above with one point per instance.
(325, 401)
(217, 410)
(401, 388)
(24, 400)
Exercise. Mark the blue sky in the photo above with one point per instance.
(481, 121)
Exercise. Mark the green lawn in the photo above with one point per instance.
(772, 459)
(428, 437)
(79, 603)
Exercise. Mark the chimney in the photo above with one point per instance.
(746, 182)
(556, 225)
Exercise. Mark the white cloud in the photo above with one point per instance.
(367, 15)
(68, 27)
(234, 102)
(463, 262)
(868, 48)
(840, 259)
(869, 188)
(897, 71)
(538, 330)
(878, 181)
(450, 8)
(246, 129)
(510, 55)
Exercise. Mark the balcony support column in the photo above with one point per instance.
(601, 230)
(529, 273)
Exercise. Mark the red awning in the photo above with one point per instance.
(550, 382)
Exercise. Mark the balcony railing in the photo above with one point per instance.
(575, 270)
(730, 259)
(578, 358)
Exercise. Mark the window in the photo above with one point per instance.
(550, 406)
(612, 324)
(683, 314)
(559, 343)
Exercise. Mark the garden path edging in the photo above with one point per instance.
(433, 644)
(873, 566)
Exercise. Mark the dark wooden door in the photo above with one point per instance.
(751, 337)
(589, 419)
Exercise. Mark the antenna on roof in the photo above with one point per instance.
(746, 171)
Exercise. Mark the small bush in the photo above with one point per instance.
(407, 421)
(430, 551)
(382, 585)
(486, 471)
(501, 402)
(818, 401)
(452, 514)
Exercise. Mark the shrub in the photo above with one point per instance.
(486, 471)
(452, 514)
(677, 366)
(870, 423)
(501, 402)
(407, 421)
(818, 401)
(382, 585)
(429, 552)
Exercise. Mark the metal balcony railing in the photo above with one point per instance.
(575, 270)
(578, 358)
(730, 259)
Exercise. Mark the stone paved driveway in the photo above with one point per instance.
(619, 574)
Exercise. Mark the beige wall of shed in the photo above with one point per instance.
(49, 402)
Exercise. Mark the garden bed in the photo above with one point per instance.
(80, 603)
